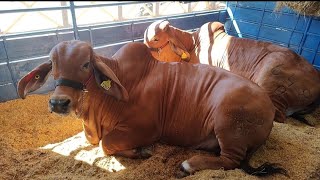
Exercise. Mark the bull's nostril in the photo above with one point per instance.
(66, 103)
(53, 102)
(56, 103)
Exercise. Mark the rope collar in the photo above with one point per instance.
(160, 48)
(74, 84)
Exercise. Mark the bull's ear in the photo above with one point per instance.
(182, 53)
(108, 81)
(34, 79)
(164, 25)
(216, 26)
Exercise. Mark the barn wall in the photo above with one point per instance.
(257, 20)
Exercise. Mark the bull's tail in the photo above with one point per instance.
(265, 169)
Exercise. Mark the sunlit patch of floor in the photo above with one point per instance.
(85, 152)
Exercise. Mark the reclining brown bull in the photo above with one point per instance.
(132, 101)
(291, 82)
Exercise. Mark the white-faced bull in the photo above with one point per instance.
(130, 101)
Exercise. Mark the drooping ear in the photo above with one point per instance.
(108, 81)
(34, 79)
(164, 25)
(180, 51)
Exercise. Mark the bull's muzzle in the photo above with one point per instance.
(60, 106)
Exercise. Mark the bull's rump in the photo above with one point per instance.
(197, 94)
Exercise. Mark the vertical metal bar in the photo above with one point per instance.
(57, 35)
(132, 31)
(74, 22)
(293, 29)
(91, 38)
(260, 23)
(14, 82)
(304, 35)
(315, 53)
(233, 19)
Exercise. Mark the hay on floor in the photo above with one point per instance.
(35, 144)
(307, 8)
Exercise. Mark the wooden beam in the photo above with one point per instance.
(194, 6)
(147, 9)
(120, 17)
(156, 8)
(184, 10)
(44, 15)
(168, 3)
(18, 19)
(65, 19)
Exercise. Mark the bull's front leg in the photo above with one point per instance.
(91, 134)
(127, 143)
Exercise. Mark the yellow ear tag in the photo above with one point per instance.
(184, 55)
(106, 84)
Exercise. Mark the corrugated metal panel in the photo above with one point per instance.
(30, 46)
(109, 35)
(5, 76)
(7, 92)
(3, 56)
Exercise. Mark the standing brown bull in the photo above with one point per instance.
(291, 82)
(132, 100)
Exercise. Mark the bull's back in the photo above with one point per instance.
(291, 81)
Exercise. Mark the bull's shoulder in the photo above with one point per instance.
(134, 59)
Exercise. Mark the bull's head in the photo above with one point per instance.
(158, 36)
(74, 65)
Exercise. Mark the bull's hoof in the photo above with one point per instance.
(185, 170)
(307, 119)
(181, 174)
(312, 121)
(144, 153)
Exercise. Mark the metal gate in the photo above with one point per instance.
(21, 52)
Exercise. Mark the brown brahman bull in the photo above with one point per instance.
(131, 101)
(291, 82)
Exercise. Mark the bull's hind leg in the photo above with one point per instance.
(201, 162)
(230, 157)
(210, 144)
(232, 152)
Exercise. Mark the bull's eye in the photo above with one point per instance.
(155, 39)
(86, 65)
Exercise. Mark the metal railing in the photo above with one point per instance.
(22, 51)
(72, 7)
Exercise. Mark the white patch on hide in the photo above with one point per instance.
(186, 166)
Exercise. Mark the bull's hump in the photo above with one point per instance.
(133, 50)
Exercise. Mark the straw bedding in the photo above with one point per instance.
(27, 128)
(308, 8)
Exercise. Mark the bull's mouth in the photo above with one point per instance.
(62, 113)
